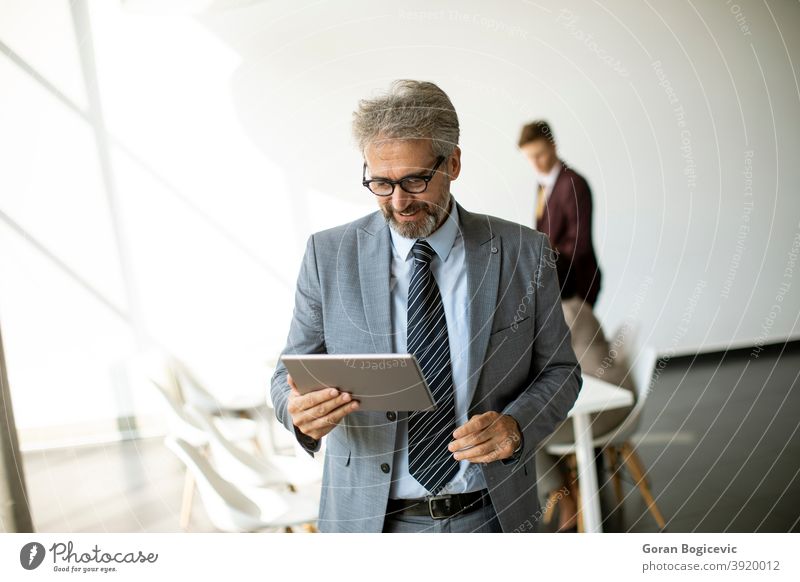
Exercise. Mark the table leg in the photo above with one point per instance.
(587, 473)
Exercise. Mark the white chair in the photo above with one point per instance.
(617, 442)
(182, 424)
(279, 440)
(198, 395)
(155, 368)
(244, 468)
(250, 405)
(234, 509)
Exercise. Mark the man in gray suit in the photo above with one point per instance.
(474, 297)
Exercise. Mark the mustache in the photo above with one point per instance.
(413, 207)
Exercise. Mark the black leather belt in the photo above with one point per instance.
(439, 506)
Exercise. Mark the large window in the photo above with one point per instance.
(135, 210)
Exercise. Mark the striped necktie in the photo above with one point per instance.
(429, 432)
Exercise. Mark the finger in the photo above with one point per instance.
(316, 397)
(483, 428)
(303, 402)
(471, 440)
(334, 416)
(501, 451)
(322, 410)
(492, 449)
(477, 423)
(293, 391)
(491, 457)
(309, 415)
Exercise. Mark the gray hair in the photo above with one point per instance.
(409, 110)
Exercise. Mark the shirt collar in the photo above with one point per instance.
(549, 179)
(441, 240)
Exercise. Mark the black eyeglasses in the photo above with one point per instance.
(413, 184)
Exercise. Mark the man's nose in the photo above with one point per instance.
(400, 198)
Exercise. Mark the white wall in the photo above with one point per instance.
(231, 144)
(663, 107)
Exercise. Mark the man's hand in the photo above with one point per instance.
(492, 436)
(316, 414)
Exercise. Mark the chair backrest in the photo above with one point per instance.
(181, 424)
(227, 507)
(642, 368)
(193, 391)
(153, 365)
(234, 463)
(633, 354)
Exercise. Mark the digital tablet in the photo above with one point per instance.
(380, 382)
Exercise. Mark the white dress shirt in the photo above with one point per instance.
(548, 180)
(449, 270)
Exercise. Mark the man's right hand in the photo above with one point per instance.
(317, 413)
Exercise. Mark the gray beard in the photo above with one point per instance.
(434, 215)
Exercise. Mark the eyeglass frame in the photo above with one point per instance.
(426, 179)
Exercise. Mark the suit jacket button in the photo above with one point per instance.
(385, 467)
(391, 415)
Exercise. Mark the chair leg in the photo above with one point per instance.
(636, 467)
(552, 499)
(613, 463)
(257, 446)
(575, 489)
(637, 460)
(186, 503)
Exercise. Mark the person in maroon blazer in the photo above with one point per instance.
(564, 213)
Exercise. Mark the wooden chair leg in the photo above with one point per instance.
(552, 499)
(188, 497)
(575, 489)
(637, 460)
(616, 479)
(258, 449)
(636, 467)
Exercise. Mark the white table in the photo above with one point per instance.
(595, 396)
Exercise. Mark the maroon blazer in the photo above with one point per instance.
(567, 221)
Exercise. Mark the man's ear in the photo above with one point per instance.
(454, 163)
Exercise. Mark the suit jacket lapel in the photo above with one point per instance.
(374, 269)
(482, 257)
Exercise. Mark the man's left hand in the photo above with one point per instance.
(492, 436)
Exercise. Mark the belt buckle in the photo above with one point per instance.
(448, 497)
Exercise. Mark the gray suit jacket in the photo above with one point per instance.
(520, 359)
